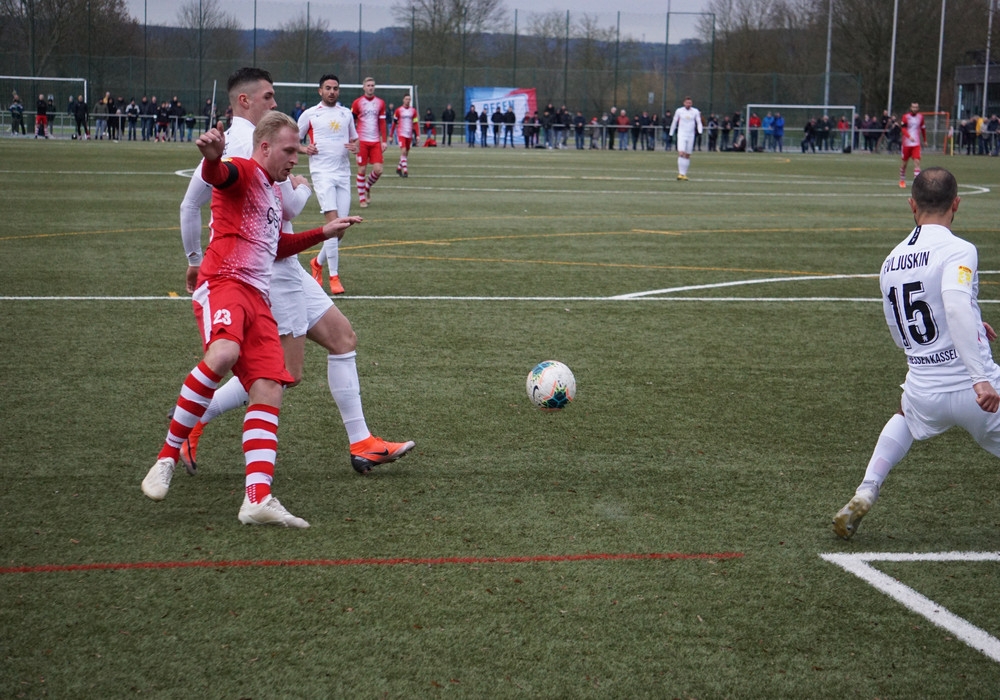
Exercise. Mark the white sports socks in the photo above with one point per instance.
(893, 444)
(345, 387)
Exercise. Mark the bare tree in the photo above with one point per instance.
(444, 26)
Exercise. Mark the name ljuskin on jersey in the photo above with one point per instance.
(907, 261)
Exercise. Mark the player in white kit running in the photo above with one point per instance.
(333, 139)
(299, 305)
(685, 124)
(930, 285)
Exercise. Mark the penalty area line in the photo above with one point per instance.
(964, 630)
(396, 561)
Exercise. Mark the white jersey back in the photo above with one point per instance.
(330, 129)
(686, 121)
(930, 261)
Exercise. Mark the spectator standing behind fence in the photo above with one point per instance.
(767, 128)
(148, 115)
(713, 132)
(448, 118)
(726, 133)
(624, 124)
(206, 112)
(471, 124)
(809, 136)
(509, 120)
(778, 132)
(430, 131)
(612, 127)
(163, 121)
(81, 114)
(42, 118)
(132, 113)
(496, 119)
(101, 118)
(668, 118)
(17, 116)
(484, 128)
(753, 127)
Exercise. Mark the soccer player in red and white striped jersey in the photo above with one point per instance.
(369, 114)
(406, 130)
(232, 306)
(914, 133)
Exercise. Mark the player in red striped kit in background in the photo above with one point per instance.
(369, 115)
(407, 131)
(914, 133)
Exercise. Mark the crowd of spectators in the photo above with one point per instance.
(115, 119)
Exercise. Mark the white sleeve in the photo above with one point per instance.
(199, 193)
(293, 199)
(965, 332)
(304, 124)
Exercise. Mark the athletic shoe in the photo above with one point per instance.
(157, 481)
(363, 204)
(373, 451)
(368, 194)
(406, 173)
(268, 512)
(317, 271)
(847, 519)
(682, 177)
(189, 449)
(902, 183)
(335, 286)
(399, 171)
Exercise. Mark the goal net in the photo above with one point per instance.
(939, 133)
(836, 135)
(307, 94)
(57, 91)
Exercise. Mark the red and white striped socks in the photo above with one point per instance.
(196, 395)
(260, 449)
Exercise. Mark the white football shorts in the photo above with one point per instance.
(685, 143)
(928, 415)
(333, 194)
(297, 301)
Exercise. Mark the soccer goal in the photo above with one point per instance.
(939, 133)
(58, 91)
(840, 138)
(287, 94)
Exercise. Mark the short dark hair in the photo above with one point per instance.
(246, 75)
(934, 190)
(328, 76)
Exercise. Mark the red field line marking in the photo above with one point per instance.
(401, 561)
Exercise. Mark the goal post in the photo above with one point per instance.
(841, 140)
(287, 94)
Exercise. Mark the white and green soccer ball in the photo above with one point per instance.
(551, 385)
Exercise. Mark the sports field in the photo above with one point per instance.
(664, 536)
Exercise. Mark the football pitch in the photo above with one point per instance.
(666, 535)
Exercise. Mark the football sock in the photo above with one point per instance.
(228, 396)
(195, 396)
(916, 171)
(342, 377)
(402, 163)
(372, 179)
(902, 171)
(321, 257)
(893, 444)
(260, 449)
(362, 190)
(331, 255)
(683, 164)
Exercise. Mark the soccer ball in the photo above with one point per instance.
(551, 385)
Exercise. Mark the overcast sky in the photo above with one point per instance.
(642, 19)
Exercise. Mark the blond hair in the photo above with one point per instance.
(270, 124)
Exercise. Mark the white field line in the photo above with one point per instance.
(650, 295)
(964, 630)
